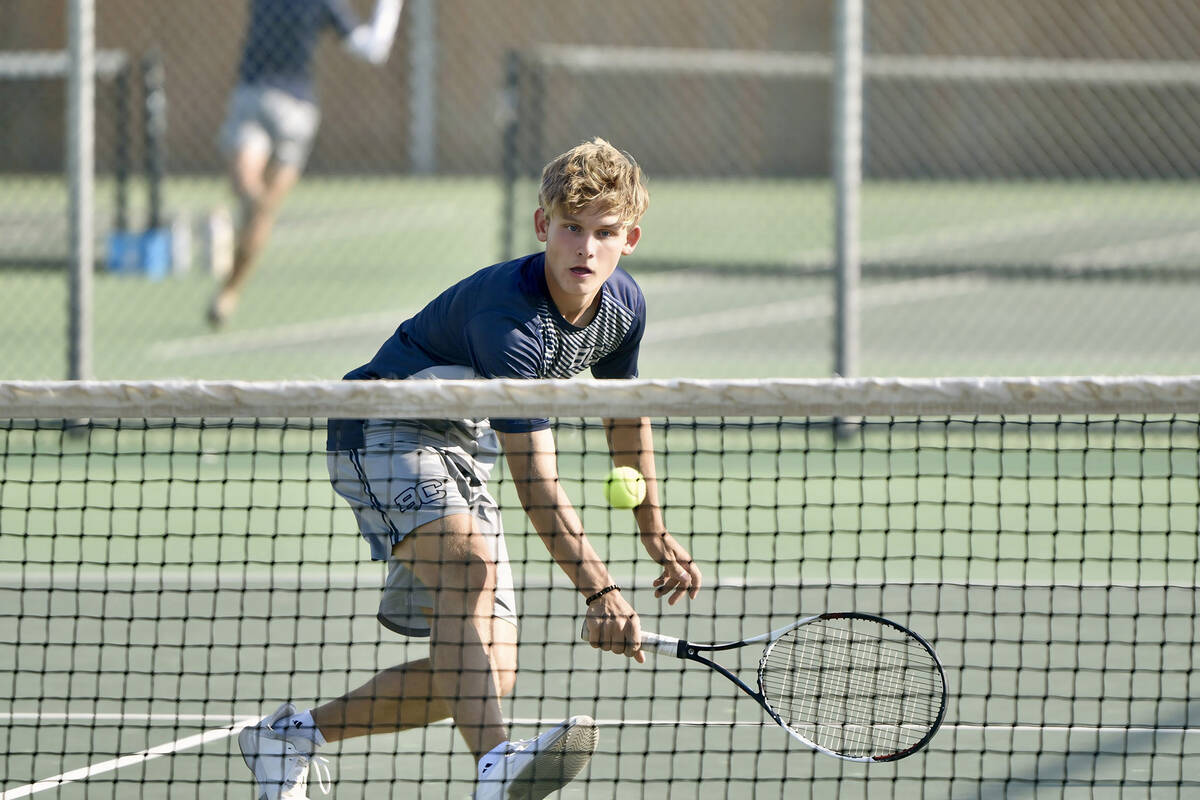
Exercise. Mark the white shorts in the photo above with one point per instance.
(271, 120)
(397, 485)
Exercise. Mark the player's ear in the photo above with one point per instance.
(541, 224)
(632, 237)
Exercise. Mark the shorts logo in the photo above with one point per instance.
(419, 494)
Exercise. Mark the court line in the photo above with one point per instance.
(284, 336)
(237, 724)
(158, 751)
(371, 577)
(810, 308)
(279, 336)
(383, 323)
(233, 724)
(956, 237)
(301, 229)
(1145, 251)
(905, 246)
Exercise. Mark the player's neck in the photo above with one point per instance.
(578, 311)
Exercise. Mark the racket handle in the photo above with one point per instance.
(651, 642)
(657, 643)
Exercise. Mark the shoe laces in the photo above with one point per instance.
(320, 765)
(298, 774)
(519, 746)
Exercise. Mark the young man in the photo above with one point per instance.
(419, 491)
(273, 114)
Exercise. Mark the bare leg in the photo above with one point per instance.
(404, 697)
(472, 656)
(260, 185)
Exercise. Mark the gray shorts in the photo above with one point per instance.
(399, 482)
(271, 120)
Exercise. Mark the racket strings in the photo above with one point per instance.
(853, 686)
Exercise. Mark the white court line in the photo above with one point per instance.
(371, 575)
(909, 245)
(1000, 230)
(92, 770)
(280, 336)
(300, 334)
(1146, 251)
(231, 725)
(123, 716)
(385, 322)
(810, 308)
(939, 240)
(304, 228)
(235, 725)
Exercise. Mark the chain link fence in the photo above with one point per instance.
(1029, 202)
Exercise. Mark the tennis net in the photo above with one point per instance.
(174, 564)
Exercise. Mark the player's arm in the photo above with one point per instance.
(631, 443)
(533, 462)
(372, 41)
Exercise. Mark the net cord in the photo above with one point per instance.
(434, 399)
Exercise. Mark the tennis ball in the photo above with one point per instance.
(625, 488)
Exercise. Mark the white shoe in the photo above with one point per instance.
(279, 763)
(533, 768)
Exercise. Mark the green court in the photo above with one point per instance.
(960, 278)
(166, 584)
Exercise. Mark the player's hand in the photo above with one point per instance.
(613, 625)
(680, 574)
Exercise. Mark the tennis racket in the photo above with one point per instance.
(855, 686)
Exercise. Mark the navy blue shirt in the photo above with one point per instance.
(502, 323)
(281, 38)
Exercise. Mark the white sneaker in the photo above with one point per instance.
(533, 768)
(279, 763)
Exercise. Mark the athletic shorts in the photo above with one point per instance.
(272, 120)
(395, 484)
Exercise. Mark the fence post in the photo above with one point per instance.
(81, 168)
(422, 93)
(847, 176)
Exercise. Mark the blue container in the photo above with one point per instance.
(124, 252)
(156, 253)
(146, 253)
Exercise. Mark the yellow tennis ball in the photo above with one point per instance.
(625, 488)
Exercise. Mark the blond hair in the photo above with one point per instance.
(595, 174)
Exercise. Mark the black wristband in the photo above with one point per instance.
(601, 593)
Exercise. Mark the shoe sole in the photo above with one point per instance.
(558, 763)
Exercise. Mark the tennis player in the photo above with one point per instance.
(273, 114)
(419, 490)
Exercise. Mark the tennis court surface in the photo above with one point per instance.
(165, 581)
(959, 278)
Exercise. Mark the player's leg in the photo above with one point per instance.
(262, 176)
(245, 141)
(464, 570)
(404, 697)
(260, 188)
(428, 486)
(279, 749)
(453, 560)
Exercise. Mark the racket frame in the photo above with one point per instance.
(690, 651)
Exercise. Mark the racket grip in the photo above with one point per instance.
(657, 643)
(651, 642)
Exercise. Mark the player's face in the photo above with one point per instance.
(582, 250)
